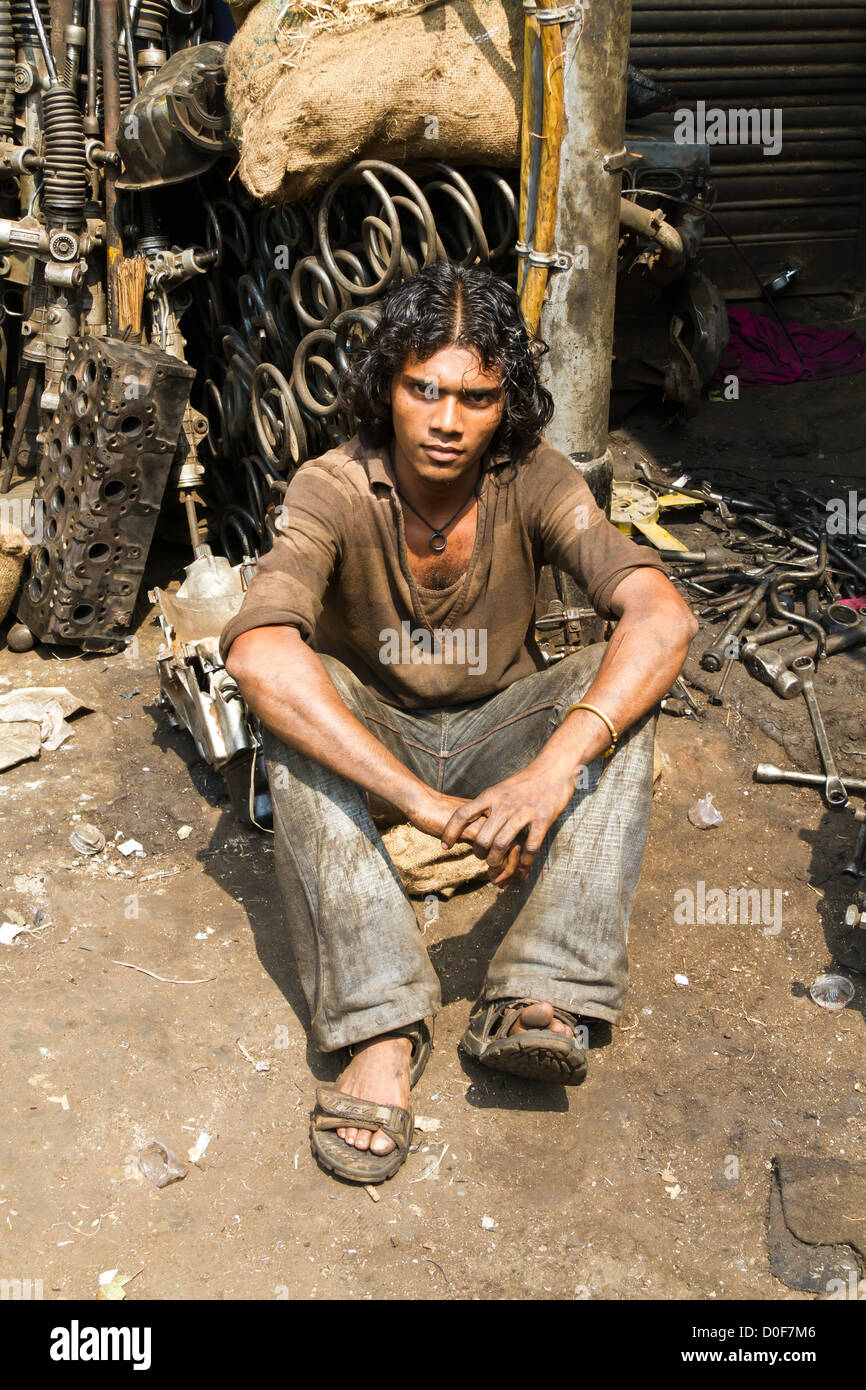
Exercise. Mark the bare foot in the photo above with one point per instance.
(379, 1072)
(538, 1015)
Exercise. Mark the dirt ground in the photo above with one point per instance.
(650, 1181)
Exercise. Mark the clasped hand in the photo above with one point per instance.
(506, 824)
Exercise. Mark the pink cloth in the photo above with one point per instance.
(759, 353)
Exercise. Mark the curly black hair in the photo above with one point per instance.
(444, 305)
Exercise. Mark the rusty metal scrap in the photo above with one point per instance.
(108, 451)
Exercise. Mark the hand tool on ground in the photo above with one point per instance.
(770, 530)
(776, 608)
(834, 791)
(717, 651)
(767, 634)
(767, 772)
(671, 705)
(717, 698)
(771, 667)
(704, 492)
(724, 603)
(680, 688)
(713, 556)
(836, 617)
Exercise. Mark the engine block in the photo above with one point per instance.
(106, 457)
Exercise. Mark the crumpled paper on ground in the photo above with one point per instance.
(33, 719)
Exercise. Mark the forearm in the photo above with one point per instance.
(288, 688)
(644, 656)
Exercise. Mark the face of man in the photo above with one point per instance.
(445, 411)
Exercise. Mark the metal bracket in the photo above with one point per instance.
(554, 260)
(621, 159)
(566, 14)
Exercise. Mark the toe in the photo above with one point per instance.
(557, 1026)
(380, 1143)
(535, 1015)
(350, 1136)
(363, 1139)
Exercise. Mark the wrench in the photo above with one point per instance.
(767, 772)
(834, 791)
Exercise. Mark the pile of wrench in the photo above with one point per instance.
(788, 591)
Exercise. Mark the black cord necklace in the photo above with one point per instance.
(438, 540)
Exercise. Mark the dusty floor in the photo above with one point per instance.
(649, 1181)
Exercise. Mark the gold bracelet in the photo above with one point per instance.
(594, 710)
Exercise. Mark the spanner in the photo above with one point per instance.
(834, 791)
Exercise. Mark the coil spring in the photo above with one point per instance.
(22, 22)
(66, 187)
(7, 70)
(152, 19)
(294, 289)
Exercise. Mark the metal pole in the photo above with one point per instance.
(577, 312)
(111, 120)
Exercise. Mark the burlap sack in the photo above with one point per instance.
(14, 549)
(445, 83)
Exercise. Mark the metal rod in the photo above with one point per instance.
(43, 40)
(129, 44)
(111, 120)
(92, 84)
(22, 415)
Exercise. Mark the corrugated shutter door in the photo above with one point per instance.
(808, 59)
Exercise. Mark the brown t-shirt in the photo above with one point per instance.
(339, 573)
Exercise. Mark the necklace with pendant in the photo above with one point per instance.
(438, 540)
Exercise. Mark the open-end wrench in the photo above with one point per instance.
(834, 790)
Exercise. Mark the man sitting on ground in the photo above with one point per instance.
(387, 646)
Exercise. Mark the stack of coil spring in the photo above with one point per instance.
(295, 287)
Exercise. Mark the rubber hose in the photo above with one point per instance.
(65, 187)
(7, 71)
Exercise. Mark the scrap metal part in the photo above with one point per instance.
(105, 461)
(178, 125)
(671, 326)
(195, 685)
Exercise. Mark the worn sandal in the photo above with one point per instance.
(422, 1046)
(334, 1110)
(537, 1053)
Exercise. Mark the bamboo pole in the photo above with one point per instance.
(529, 134)
(534, 281)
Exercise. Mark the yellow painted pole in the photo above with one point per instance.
(534, 281)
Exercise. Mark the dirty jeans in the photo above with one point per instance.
(361, 959)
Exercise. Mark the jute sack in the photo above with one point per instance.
(442, 83)
(14, 549)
